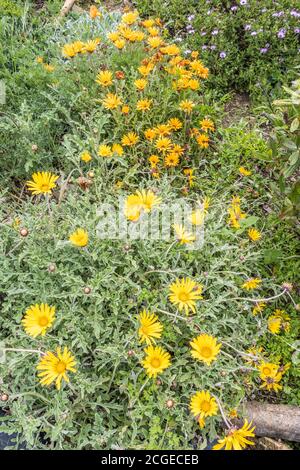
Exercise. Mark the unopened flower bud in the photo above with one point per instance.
(51, 268)
(23, 232)
(158, 382)
(91, 174)
(34, 147)
(87, 290)
(287, 286)
(170, 404)
(4, 397)
(130, 352)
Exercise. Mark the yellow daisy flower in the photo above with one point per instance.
(105, 78)
(205, 348)
(68, 50)
(146, 69)
(197, 217)
(156, 360)
(244, 172)
(91, 46)
(184, 293)
(130, 139)
(144, 105)
(162, 130)
(182, 235)
(186, 106)
(153, 160)
(125, 109)
(274, 324)
(163, 144)
(155, 42)
(171, 49)
(54, 367)
(140, 201)
(38, 319)
(150, 134)
(86, 156)
(79, 238)
(254, 234)
(171, 160)
(120, 43)
(148, 199)
(207, 125)
(202, 405)
(150, 328)
(237, 438)
(258, 308)
(203, 140)
(175, 124)
(130, 17)
(140, 84)
(118, 149)
(267, 369)
(42, 182)
(111, 101)
(252, 283)
(105, 150)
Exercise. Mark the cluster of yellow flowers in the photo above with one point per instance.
(53, 367)
(163, 58)
(79, 47)
(270, 373)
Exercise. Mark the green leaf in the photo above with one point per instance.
(294, 125)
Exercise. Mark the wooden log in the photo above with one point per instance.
(277, 421)
(67, 7)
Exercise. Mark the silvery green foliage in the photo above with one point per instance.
(82, 28)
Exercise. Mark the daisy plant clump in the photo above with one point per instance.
(113, 342)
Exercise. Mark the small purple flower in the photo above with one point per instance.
(263, 10)
(247, 27)
(187, 51)
(281, 33)
(191, 31)
(203, 33)
(263, 50)
(178, 39)
(234, 8)
(191, 17)
(213, 47)
(253, 33)
(297, 30)
(204, 47)
(189, 26)
(215, 32)
(243, 2)
(223, 55)
(295, 13)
